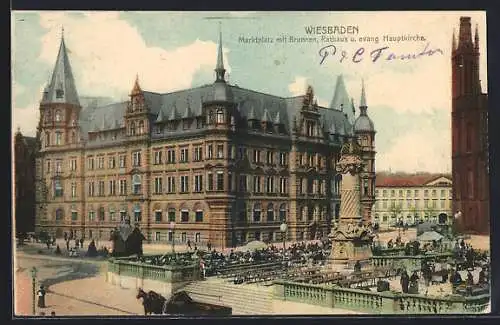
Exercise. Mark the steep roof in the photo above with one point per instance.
(403, 179)
(249, 102)
(61, 88)
(341, 98)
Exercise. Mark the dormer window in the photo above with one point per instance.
(59, 93)
(220, 116)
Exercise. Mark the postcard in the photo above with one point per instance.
(250, 163)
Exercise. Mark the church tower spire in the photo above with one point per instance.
(219, 68)
(62, 88)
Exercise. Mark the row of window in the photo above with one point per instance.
(170, 158)
(414, 193)
(443, 203)
(215, 182)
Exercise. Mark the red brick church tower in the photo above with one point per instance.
(470, 168)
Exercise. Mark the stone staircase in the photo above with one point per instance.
(244, 299)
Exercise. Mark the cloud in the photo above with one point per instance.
(299, 86)
(25, 118)
(106, 63)
(418, 151)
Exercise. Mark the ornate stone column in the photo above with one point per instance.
(351, 239)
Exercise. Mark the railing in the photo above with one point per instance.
(164, 273)
(409, 262)
(378, 302)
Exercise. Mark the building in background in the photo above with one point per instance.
(470, 163)
(216, 163)
(25, 151)
(411, 198)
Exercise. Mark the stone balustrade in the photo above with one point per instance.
(410, 263)
(165, 278)
(377, 302)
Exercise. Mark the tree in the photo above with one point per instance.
(395, 211)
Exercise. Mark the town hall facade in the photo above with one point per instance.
(214, 163)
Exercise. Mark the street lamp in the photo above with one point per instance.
(283, 228)
(172, 229)
(33, 282)
(456, 217)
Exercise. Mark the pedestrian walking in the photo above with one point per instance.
(209, 246)
(405, 281)
(81, 242)
(67, 245)
(41, 297)
(77, 242)
(202, 268)
(189, 244)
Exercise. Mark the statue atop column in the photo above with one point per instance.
(351, 238)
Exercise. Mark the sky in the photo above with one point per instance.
(408, 100)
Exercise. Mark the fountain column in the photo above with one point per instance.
(351, 239)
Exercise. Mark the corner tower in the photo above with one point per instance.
(364, 130)
(60, 107)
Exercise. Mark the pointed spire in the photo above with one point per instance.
(476, 38)
(173, 114)
(465, 33)
(277, 119)
(219, 68)
(453, 41)
(362, 101)
(341, 98)
(159, 118)
(187, 111)
(353, 107)
(137, 88)
(62, 88)
(265, 116)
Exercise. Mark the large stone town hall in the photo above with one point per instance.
(226, 164)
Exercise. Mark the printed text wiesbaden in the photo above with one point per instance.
(332, 29)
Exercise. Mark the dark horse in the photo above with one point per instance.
(153, 302)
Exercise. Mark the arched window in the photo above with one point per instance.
(58, 138)
(283, 212)
(132, 128)
(256, 212)
(303, 212)
(47, 139)
(270, 212)
(73, 137)
(47, 117)
(220, 116)
(141, 127)
(58, 116)
(137, 212)
(136, 184)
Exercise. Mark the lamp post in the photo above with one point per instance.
(172, 229)
(33, 283)
(283, 228)
(456, 217)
